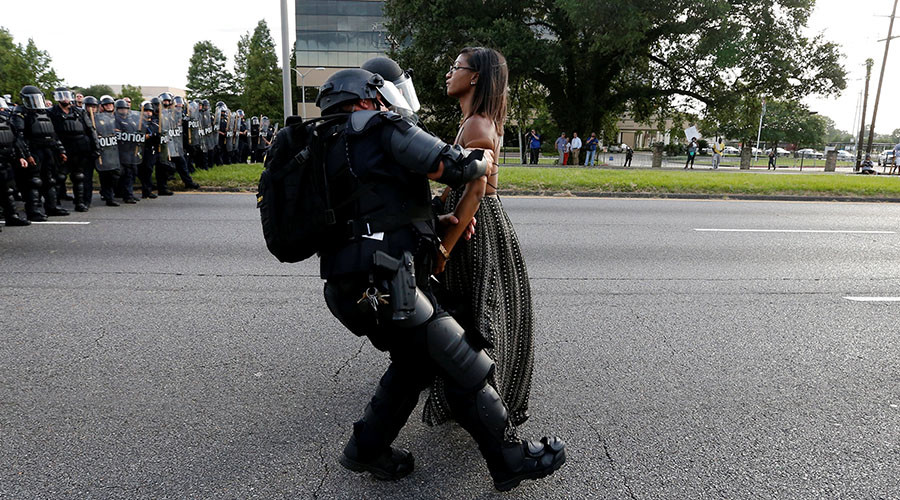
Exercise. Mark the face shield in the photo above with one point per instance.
(405, 86)
(3, 104)
(394, 98)
(63, 96)
(33, 101)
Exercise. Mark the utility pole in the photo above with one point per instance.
(862, 119)
(887, 45)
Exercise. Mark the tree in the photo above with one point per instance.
(262, 88)
(28, 65)
(132, 92)
(207, 76)
(240, 67)
(596, 60)
(95, 90)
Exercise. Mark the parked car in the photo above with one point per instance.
(845, 156)
(810, 153)
(886, 157)
(731, 150)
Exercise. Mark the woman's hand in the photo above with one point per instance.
(448, 220)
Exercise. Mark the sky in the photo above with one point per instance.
(144, 50)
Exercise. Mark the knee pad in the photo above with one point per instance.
(36, 182)
(79, 177)
(449, 348)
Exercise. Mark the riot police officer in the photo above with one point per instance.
(39, 179)
(377, 267)
(151, 147)
(174, 126)
(74, 130)
(13, 152)
(243, 138)
(221, 126)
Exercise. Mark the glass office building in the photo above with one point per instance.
(339, 33)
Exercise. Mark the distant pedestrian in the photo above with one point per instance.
(718, 149)
(629, 154)
(576, 148)
(772, 156)
(691, 153)
(534, 143)
(591, 145)
(561, 144)
(567, 153)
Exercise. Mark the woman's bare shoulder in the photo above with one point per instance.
(478, 132)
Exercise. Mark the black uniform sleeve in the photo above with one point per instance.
(18, 125)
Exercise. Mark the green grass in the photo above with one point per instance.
(561, 180)
(702, 182)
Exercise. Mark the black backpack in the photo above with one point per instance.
(293, 198)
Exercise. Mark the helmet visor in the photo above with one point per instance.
(405, 86)
(63, 95)
(393, 97)
(33, 101)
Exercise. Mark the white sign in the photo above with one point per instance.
(691, 133)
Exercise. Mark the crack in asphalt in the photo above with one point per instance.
(610, 459)
(643, 325)
(325, 475)
(348, 361)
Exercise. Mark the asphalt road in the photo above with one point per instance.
(161, 352)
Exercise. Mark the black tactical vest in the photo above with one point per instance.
(72, 126)
(7, 137)
(39, 128)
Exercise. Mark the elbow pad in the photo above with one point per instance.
(460, 169)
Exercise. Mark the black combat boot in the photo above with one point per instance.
(369, 449)
(510, 460)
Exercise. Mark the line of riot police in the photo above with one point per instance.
(42, 147)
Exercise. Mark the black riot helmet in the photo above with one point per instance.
(106, 99)
(350, 85)
(254, 120)
(122, 103)
(32, 98)
(220, 104)
(90, 100)
(390, 71)
(179, 101)
(63, 95)
(204, 103)
(146, 106)
(155, 103)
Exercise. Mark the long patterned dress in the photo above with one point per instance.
(486, 288)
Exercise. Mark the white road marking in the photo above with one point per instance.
(828, 231)
(874, 299)
(61, 223)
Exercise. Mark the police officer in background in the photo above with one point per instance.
(221, 126)
(13, 152)
(377, 267)
(31, 119)
(151, 147)
(176, 144)
(243, 138)
(74, 129)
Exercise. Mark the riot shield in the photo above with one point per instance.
(195, 135)
(165, 129)
(176, 133)
(109, 145)
(209, 136)
(229, 132)
(263, 133)
(130, 135)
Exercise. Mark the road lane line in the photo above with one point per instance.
(827, 231)
(61, 223)
(874, 299)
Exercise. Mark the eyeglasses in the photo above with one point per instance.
(454, 68)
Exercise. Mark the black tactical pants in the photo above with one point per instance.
(28, 182)
(8, 185)
(413, 368)
(125, 186)
(108, 181)
(145, 172)
(46, 162)
(163, 170)
(75, 169)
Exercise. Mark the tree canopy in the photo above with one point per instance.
(207, 76)
(596, 60)
(262, 83)
(24, 65)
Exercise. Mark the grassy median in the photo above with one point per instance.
(582, 180)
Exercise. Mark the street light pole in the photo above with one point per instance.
(285, 61)
(303, 87)
(862, 119)
(759, 132)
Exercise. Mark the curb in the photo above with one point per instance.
(616, 194)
